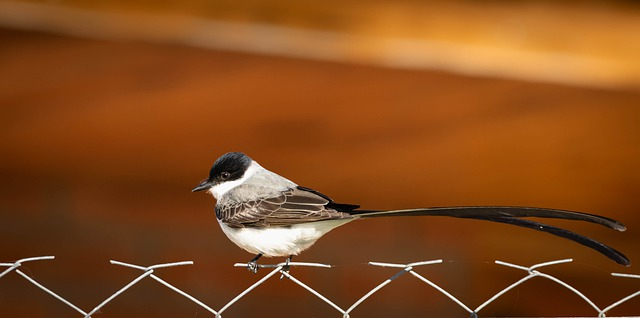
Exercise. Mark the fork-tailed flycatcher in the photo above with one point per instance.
(267, 214)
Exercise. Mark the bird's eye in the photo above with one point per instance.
(225, 175)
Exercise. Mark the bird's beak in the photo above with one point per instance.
(204, 185)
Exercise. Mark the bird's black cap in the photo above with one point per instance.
(230, 166)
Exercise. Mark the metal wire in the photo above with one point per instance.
(282, 268)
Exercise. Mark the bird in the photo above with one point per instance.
(269, 215)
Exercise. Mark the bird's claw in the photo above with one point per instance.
(252, 267)
(285, 269)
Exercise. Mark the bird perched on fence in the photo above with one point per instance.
(269, 215)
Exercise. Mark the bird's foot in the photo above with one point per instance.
(286, 267)
(252, 266)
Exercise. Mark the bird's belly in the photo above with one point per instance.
(279, 240)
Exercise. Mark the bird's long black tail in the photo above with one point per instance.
(513, 215)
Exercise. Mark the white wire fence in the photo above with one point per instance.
(529, 273)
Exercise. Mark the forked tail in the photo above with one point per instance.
(513, 216)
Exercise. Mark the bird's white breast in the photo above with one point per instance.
(279, 240)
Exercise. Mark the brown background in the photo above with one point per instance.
(102, 142)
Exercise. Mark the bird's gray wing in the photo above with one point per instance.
(294, 206)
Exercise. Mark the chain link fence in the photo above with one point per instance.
(529, 272)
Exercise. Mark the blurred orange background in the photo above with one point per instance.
(112, 112)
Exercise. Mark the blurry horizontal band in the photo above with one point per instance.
(516, 55)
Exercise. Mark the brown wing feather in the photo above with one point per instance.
(294, 206)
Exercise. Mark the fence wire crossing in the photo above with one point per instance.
(282, 268)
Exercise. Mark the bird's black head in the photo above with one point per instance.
(230, 166)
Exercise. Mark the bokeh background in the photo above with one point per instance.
(113, 111)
